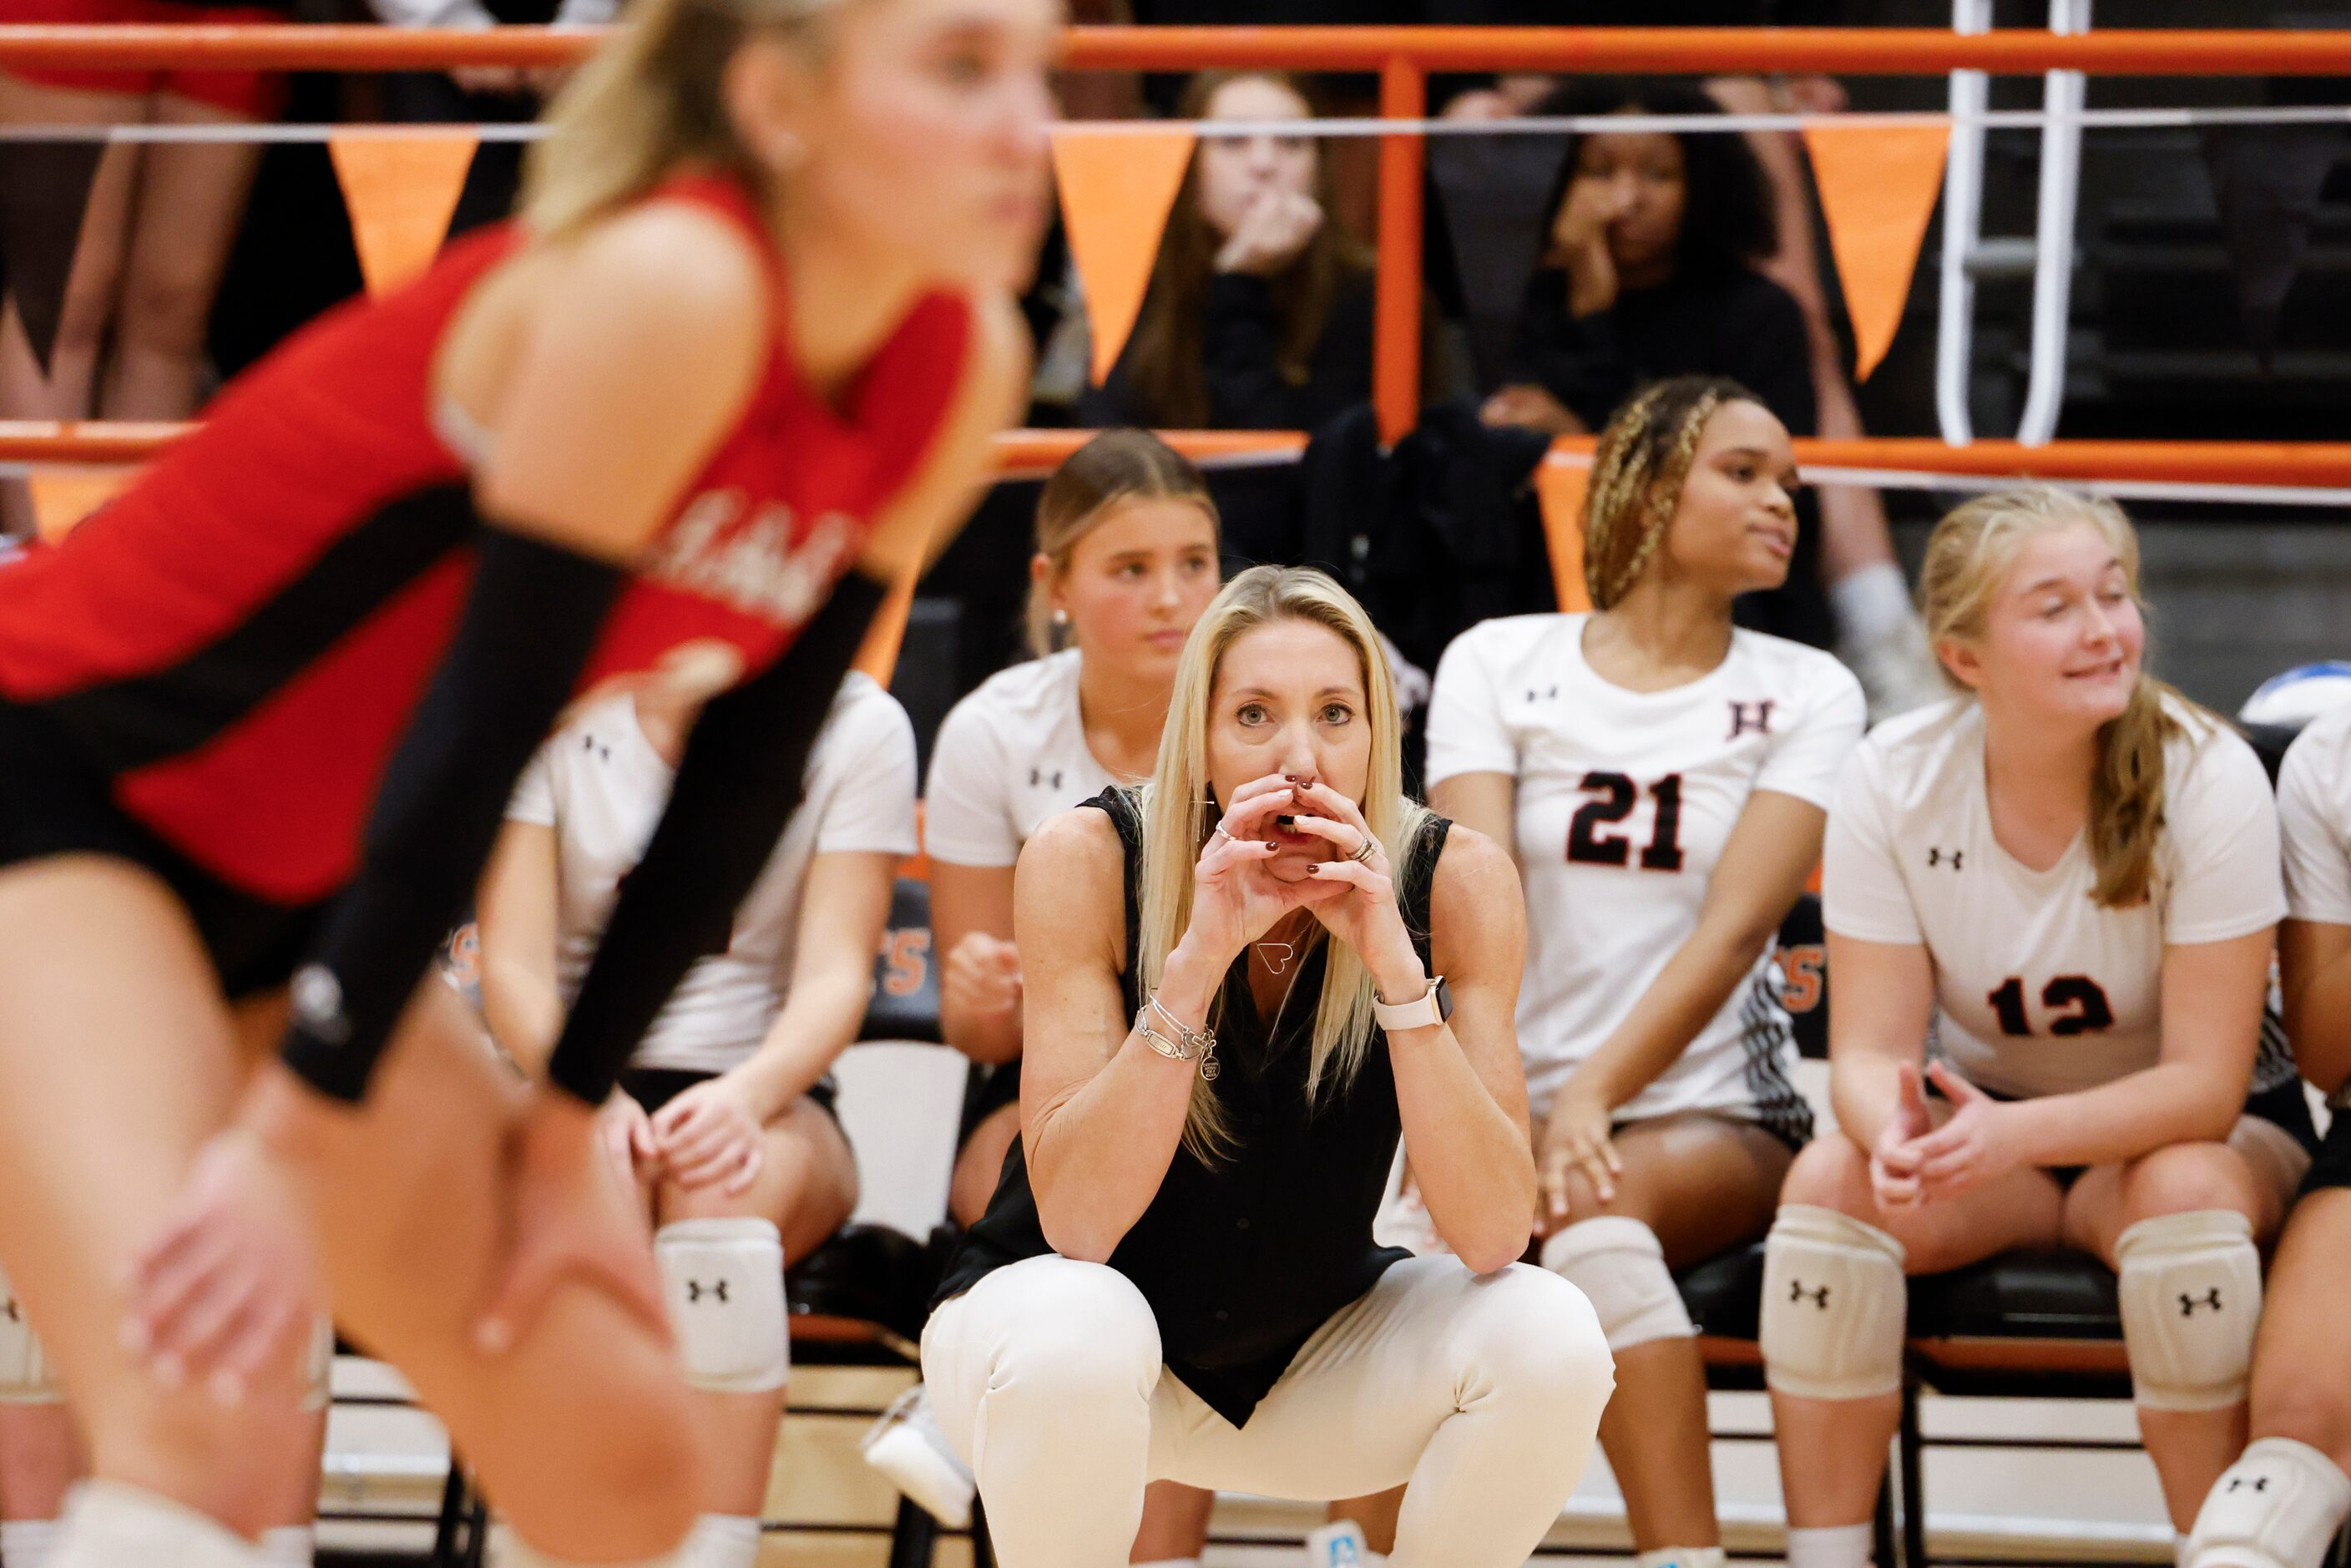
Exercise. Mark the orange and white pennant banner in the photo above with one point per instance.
(1878, 185)
(401, 191)
(1559, 484)
(63, 496)
(1117, 189)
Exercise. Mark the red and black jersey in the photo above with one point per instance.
(237, 642)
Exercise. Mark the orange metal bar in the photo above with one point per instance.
(1843, 51)
(1395, 332)
(2312, 462)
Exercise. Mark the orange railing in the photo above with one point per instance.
(2318, 464)
(1402, 57)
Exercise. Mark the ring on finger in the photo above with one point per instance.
(1219, 831)
(1366, 850)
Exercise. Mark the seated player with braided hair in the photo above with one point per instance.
(1664, 778)
(2066, 882)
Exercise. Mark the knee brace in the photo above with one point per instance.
(1620, 1268)
(2277, 1507)
(24, 1376)
(2190, 1288)
(1834, 1304)
(724, 1281)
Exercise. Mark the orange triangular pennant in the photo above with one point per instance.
(1559, 484)
(1116, 189)
(1877, 186)
(401, 191)
(63, 496)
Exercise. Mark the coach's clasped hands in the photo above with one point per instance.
(1917, 1162)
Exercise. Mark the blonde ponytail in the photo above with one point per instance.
(1968, 553)
(649, 102)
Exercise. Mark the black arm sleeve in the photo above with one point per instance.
(530, 622)
(744, 772)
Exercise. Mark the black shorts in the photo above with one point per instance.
(2332, 1165)
(53, 803)
(654, 1087)
(2283, 1106)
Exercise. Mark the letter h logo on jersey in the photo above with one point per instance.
(1754, 715)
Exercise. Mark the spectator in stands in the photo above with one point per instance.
(723, 1115)
(1259, 316)
(1658, 1057)
(2067, 880)
(129, 330)
(1210, 1306)
(1126, 559)
(1648, 272)
(482, 94)
(2281, 1504)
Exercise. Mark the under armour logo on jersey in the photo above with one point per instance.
(1937, 857)
(9, 1307)
(2259, 1483)
(1796, 1292)
(1755, 715)
(2188, 1304)
(590, 743)
(695, 1289)
(1548, 694)
(1038, 776)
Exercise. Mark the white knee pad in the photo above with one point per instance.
(2190, 1287)
(24, 1376)
(724, 1281)
(1620, 1268)
(1834, 1302)
(108, 1524)
(2278, 1506)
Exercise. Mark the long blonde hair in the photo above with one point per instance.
(651, 101)
(1178, 814)
(1968, 553)
(1113, 468)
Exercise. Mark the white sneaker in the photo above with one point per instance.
(908, 1445)
(1341, 1545)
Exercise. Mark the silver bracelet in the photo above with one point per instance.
(1194, 1045)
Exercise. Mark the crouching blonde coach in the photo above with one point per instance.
(1244, 982)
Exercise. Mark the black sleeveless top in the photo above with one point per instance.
(1242, 1261)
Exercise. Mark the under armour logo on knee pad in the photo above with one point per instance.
(695, 1289)
(1819, 1297)
(2188, 1304)
(2259, 1483)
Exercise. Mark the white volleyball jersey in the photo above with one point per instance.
(2038, 989)
(1012, 754)
(1625, 802)
(2313, 798)
(601, 785)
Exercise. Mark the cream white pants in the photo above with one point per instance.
(1484, 1392)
